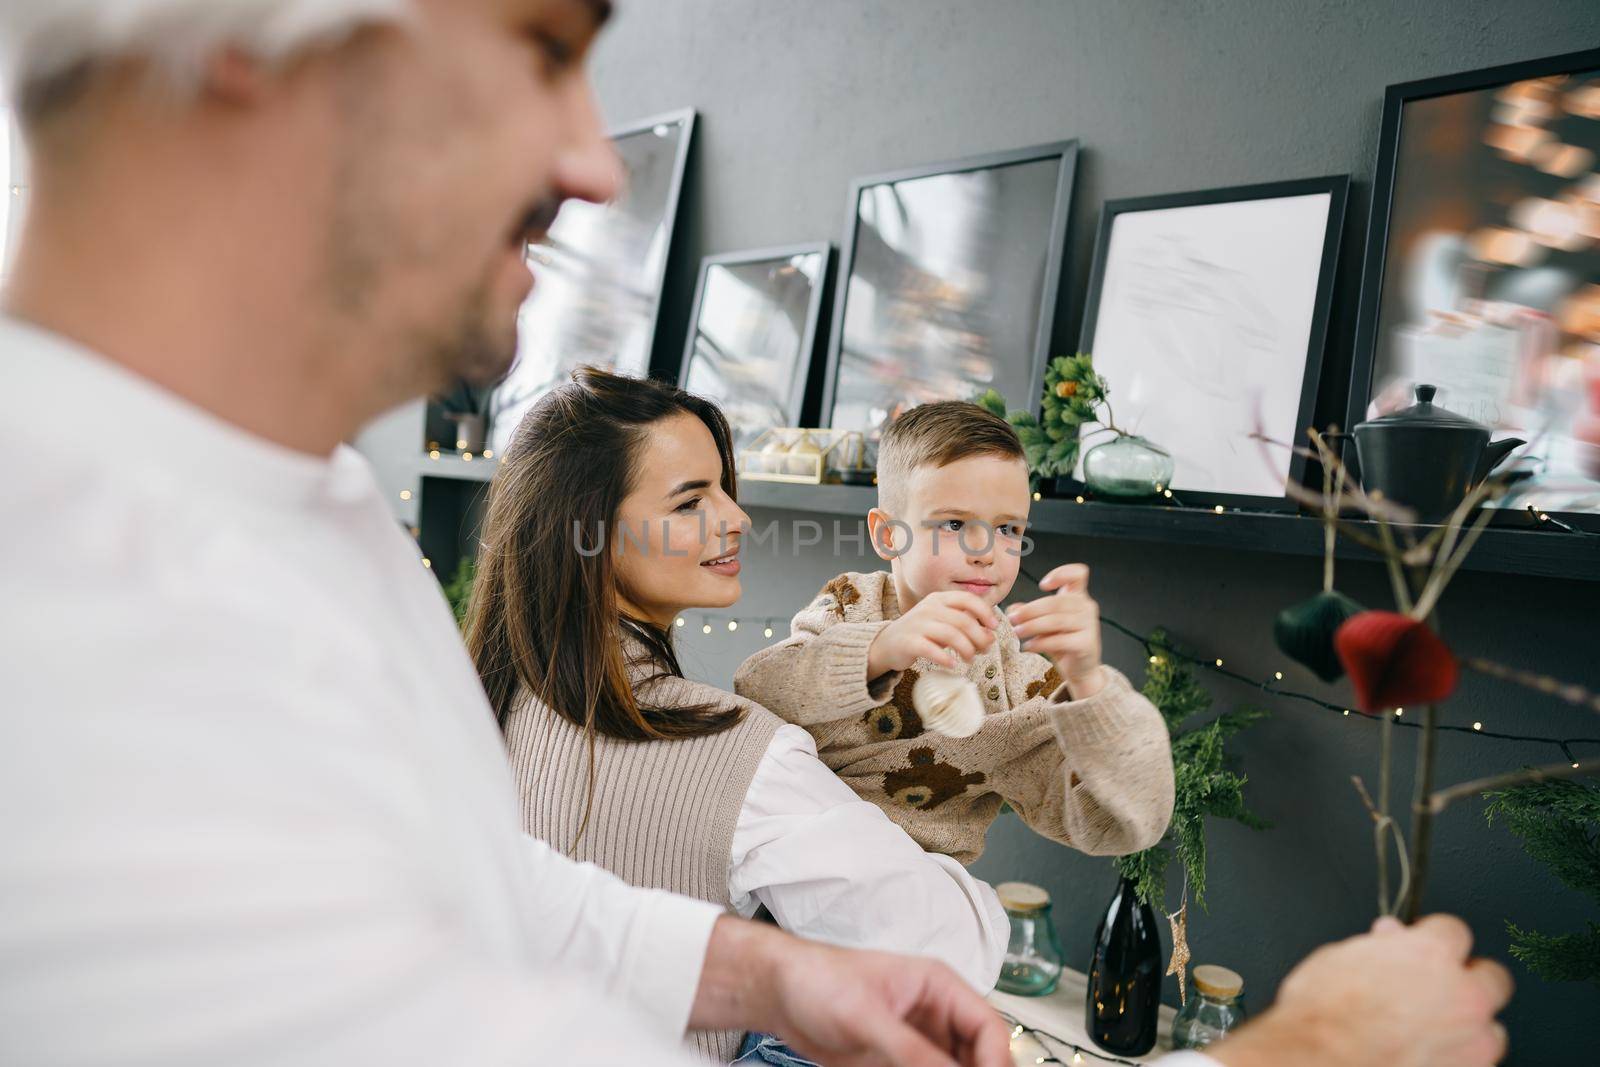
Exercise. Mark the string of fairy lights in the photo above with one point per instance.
(711, 622)
(1019, 1028)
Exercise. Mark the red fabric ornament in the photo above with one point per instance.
(1394, 660)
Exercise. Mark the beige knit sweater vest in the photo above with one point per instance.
(663, 812)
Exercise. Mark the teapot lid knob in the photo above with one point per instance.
(1425, 394)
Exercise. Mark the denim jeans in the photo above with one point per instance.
(764, 1048)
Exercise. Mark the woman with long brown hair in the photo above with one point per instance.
(613, 511)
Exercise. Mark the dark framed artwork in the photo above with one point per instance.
(752, 334)
(1207, 313)
(1482, 274)
(950, 279)
(598, 274)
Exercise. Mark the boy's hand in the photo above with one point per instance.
(949, 627)
(1065, 627)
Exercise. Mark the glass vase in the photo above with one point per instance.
(1128, 468)
(1214, 1008)
(1032, 964)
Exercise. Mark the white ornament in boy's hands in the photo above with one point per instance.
(948, 704)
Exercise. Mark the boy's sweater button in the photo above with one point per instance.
(994, 692)
(988, 672)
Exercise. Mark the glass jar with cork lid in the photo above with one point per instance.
(1032, 965)
(1215, 1009)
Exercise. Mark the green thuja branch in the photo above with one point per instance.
(1207, 785)
(1559, 824)
(459, 588)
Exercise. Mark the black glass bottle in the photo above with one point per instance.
(1124, 1000)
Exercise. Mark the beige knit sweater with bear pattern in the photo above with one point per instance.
(1095, 774)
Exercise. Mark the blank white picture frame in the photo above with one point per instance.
(1207, 317)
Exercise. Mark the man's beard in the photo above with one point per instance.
(480, 349)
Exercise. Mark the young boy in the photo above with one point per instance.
(1080, 755)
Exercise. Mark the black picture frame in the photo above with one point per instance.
(651, 321)
(1375, 261)
(1048, 329)
(799, 391)
(1337, 188)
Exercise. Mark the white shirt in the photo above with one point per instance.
(254, 808)
(833, 867)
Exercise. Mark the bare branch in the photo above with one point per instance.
(1570, 692)
(1443, 798)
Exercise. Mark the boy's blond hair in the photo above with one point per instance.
(937, 435)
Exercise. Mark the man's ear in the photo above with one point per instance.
(881, 528)
(236, 78)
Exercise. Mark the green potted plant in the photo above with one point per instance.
(1128, 467)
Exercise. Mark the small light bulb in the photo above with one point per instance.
(1017, 1032)
(1347, 711)
(1080, 500)
(1278, 675)
(767, 632)
(1574, 766)
(1077, 1057)
(706, 628)
(426, 562)
(461, 443)
(1219, 663)
(467, 457)
(733, 624)
(1153, 659)
(405, 494)
(1399, 712)
(679, 621)
(1038, 496)
(1219, 509)
(1545, 518)
(433, 453)
(1477, 726)
(1167, 493)
(488, 453)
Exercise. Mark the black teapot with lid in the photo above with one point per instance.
(1426, 458)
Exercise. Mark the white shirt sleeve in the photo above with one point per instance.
(644, 946)
(833, 867)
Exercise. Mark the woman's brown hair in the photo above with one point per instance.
(543, 618)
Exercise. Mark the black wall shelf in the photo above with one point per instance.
(1507, 549)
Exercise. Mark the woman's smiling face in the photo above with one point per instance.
(677, 537)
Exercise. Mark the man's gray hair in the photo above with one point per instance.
(43, 40)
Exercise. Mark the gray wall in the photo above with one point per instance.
(797, 98)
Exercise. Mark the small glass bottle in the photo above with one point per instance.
(1216, 1008)
(1032, 964)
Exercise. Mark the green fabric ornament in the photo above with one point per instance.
(1305, 632)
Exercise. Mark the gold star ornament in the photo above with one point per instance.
(1179, 964)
